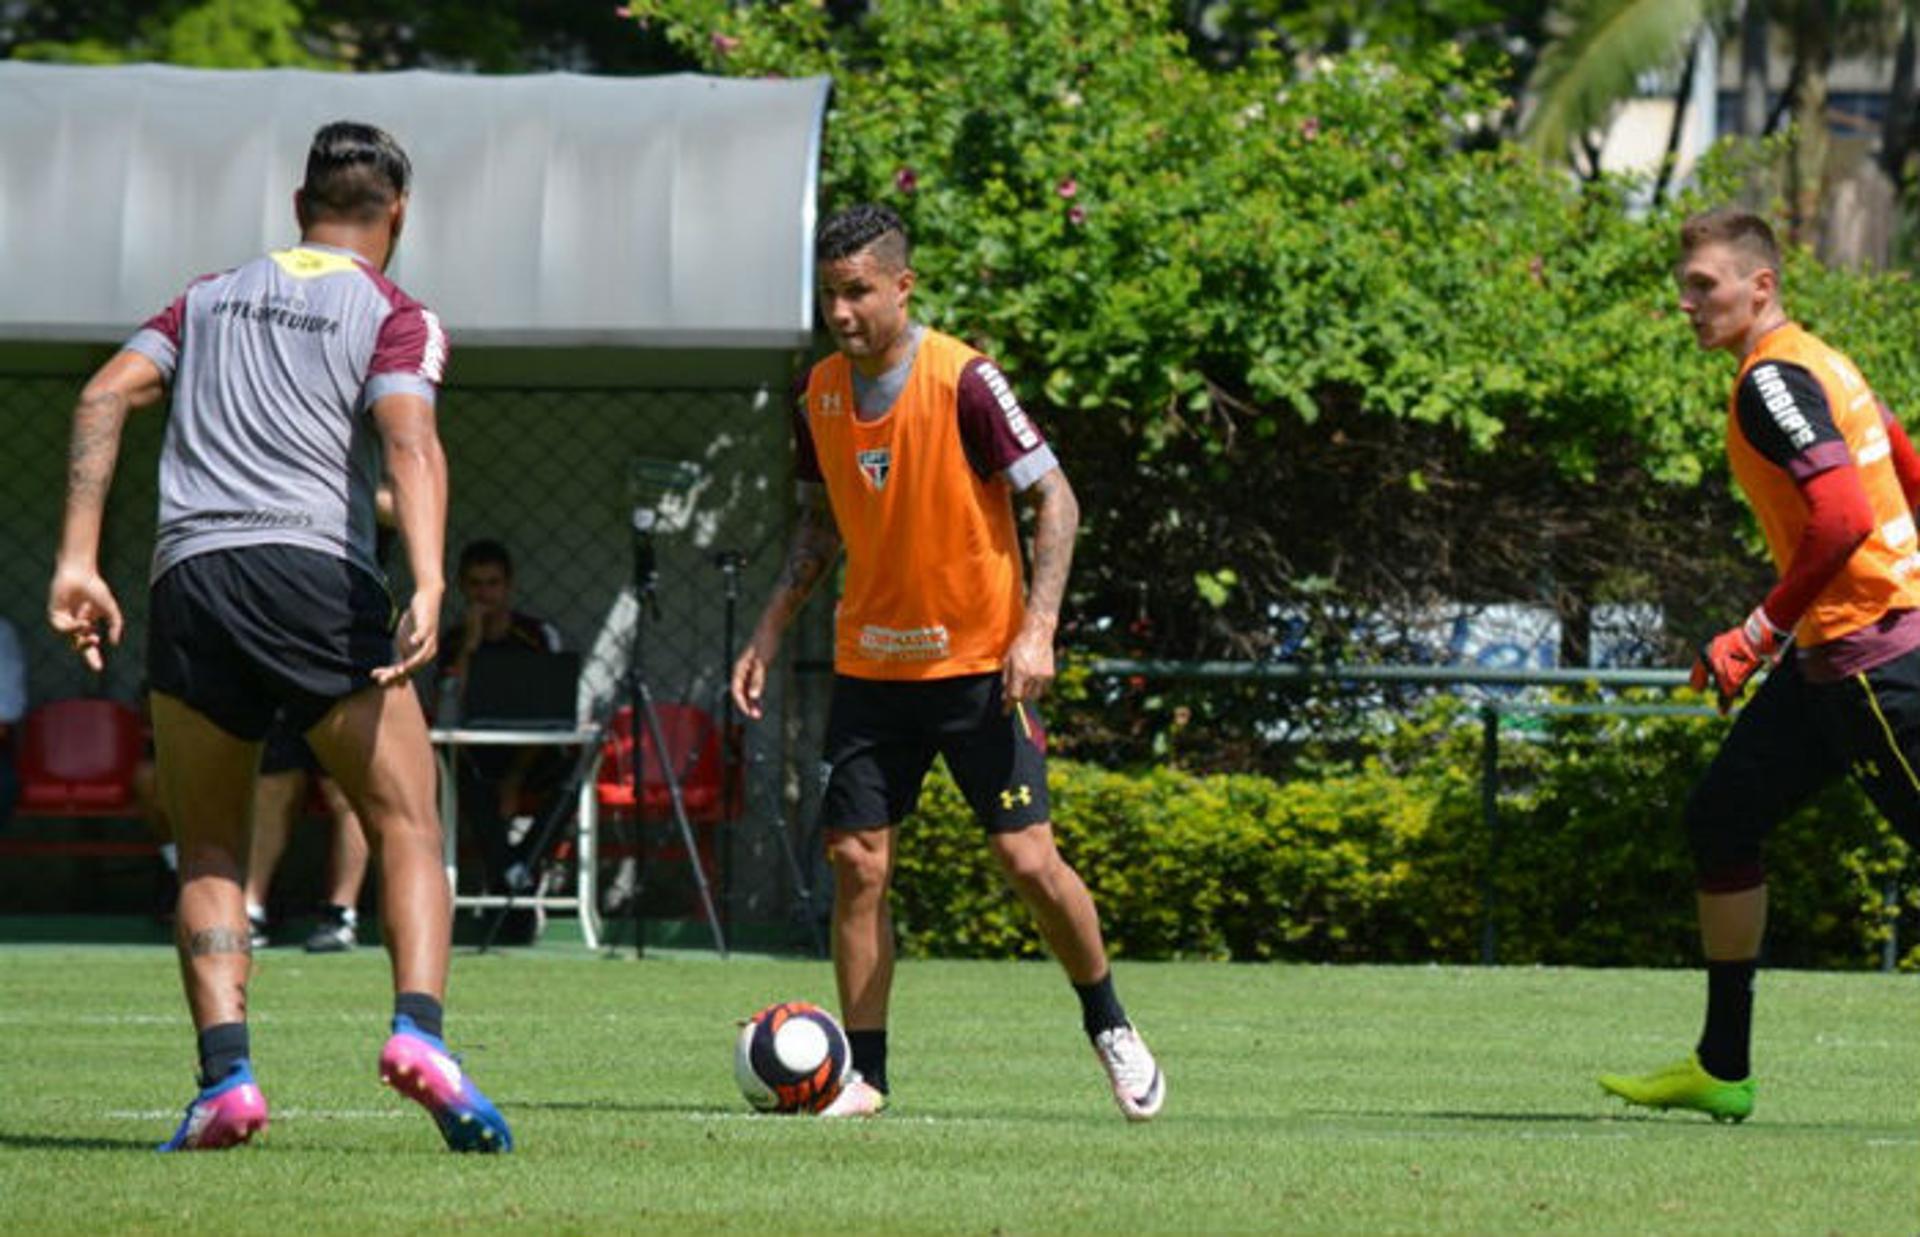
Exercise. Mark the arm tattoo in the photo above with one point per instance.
(97, 422)
(816, 543)
(1056, 521)
(219, 941)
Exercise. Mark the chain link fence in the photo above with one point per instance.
(545, 470)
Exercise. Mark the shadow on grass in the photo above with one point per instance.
(1517, 1118)
(1617, 1118)
(11, 1141)
(609, 1106)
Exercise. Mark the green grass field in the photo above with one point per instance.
(1357, 1100)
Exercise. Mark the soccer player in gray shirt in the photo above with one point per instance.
(298, 379)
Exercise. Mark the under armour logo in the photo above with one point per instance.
(1019, 796)
(830, 405)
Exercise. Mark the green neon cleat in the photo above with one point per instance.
(1684, 1084)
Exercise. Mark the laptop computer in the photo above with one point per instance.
(515, 688)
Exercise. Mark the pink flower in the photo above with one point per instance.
(905, 180)
(623, 12)
(1076, 215)
(1310, 128)
(1067, 188)
(725, 44)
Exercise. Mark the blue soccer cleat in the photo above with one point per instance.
(418, 1066)
(224, 1114)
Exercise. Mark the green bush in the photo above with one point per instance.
(1387, 860)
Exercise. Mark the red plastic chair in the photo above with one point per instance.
(693, 744)
(77, 758)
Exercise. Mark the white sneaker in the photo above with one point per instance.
(1138, 1085)
(857, 1098)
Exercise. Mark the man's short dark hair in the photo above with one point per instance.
(486, 552)
(866, 226)
(1738, 229)
(354, 172)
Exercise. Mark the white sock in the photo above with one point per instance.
(170, 855)
(256, 913)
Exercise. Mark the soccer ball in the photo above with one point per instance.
(791, 1057)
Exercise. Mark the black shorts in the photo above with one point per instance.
(1795, 738)
(286, 751)
(241, 634)
(882, 738)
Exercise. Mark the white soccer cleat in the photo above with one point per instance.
(1138, 1085)
(857, 1098)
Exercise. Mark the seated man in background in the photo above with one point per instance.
(279, 795)
(493, 779)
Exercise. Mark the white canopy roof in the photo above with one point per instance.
(550, 209)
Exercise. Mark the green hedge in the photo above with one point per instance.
(1384, 861)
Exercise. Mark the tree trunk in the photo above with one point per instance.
(1576, 629)
(1678, 128)
(1813, 48)
(1753, 69)
(1896, 135)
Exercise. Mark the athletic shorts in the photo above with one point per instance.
(242, 634)
(286, 751)
(1796, 737)
(882, 737)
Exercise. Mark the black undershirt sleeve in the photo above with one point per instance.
(1783, 412)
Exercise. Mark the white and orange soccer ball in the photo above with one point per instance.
(791, 1057)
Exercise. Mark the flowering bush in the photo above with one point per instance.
(1308, 337)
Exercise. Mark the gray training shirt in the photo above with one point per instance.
(275, 366)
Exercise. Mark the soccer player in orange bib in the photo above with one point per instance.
(1832, 478)
(910, 447)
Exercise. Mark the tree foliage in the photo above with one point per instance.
(1601, 49)
(1304, 341)
(487, 36)
(1499, 36)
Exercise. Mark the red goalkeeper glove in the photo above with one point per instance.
(1731, 658)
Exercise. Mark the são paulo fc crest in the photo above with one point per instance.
(876, 464)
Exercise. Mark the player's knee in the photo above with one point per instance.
(859, 866)
(1029, 864)
(1726, 849)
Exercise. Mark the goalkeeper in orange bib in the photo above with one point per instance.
(910, 447)
(1832, 478)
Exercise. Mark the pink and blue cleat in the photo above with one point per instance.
(418, 1066)
(224, 1114)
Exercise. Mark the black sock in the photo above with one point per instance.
(422, 1009)
(1725, 1042)
(1099, 1007)
(870, 1057)
(220, 1047)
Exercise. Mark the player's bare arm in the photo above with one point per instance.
(815, 546)
(1056, 521)
(79, 601)
(417, 468)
